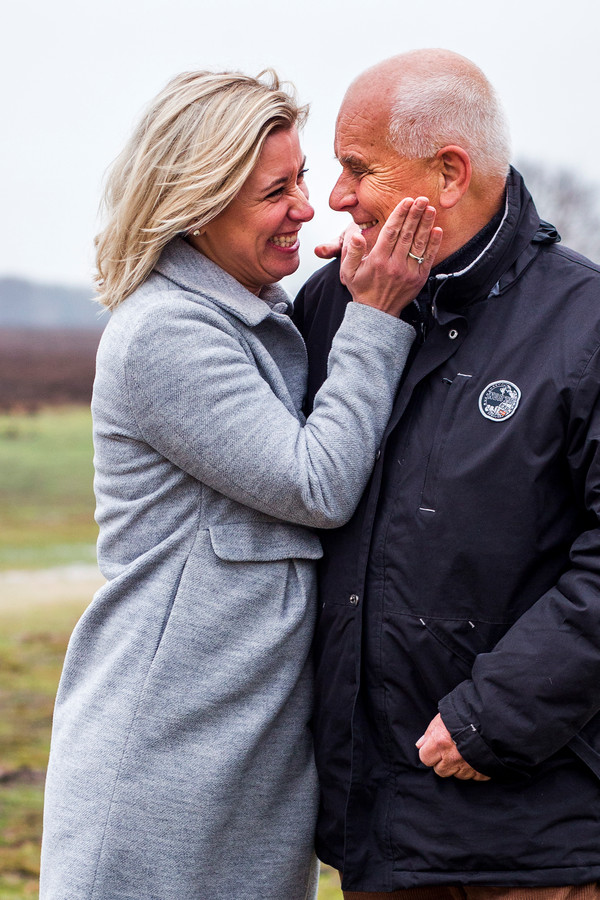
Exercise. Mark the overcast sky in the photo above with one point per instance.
(75, 75)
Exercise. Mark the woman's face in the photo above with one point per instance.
(255, 238)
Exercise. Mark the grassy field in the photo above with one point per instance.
(33, 638)
(46, 498)
(47, 536)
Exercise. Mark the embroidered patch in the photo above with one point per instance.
(499, 400)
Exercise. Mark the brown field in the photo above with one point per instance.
(48, 367)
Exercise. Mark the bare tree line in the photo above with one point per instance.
(567, 200)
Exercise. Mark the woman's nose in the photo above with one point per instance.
(301, 210)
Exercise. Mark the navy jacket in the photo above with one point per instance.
(468, 582)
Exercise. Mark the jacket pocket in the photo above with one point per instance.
(465, 639)
(447, 417)
(586, 745)
(263, 542)
(435, 654)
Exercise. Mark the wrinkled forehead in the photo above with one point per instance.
(363, 119)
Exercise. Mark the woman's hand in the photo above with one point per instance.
(390, 276)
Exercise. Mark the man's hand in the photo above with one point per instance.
(438, 750)
(331, 249)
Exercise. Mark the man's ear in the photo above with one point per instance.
(454, 173)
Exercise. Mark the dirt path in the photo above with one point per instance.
(65, 584)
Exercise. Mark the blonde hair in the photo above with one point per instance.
(185, 162)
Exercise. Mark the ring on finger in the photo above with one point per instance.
(419, 259)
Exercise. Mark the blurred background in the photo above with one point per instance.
(73, 79)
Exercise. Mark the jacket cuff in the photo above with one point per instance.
(472, 746)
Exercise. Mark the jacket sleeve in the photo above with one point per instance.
(200, 400)
(534, 692)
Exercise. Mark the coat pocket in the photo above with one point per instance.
(586, 745)
(448, 417)
(464, 639)
(435, 653)
(263, 542)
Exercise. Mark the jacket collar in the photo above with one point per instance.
(195, 273)
(519, 228)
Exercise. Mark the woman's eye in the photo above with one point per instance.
(279, 192)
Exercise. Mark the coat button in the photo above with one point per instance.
(354, 600)
(453, 334)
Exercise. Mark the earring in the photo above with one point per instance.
(196, 232)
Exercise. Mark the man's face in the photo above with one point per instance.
(374, 177)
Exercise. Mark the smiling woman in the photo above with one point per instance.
(263, 221)
(181, 762)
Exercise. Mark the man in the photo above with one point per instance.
(458, 648)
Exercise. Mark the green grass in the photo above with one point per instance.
(329, 885)
(46, 497)
(20, 829)
(33, 640)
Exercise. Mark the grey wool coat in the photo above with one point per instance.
(181, 765)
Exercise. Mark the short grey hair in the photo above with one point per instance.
(435, 108)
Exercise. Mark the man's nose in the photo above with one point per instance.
(342, 196)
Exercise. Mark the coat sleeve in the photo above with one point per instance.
(200, 400)
(540, 685)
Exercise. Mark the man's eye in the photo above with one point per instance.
(301, 174)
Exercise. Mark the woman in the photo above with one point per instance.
(181, 763)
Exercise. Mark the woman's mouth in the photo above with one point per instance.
(364, 225)
(285, 241)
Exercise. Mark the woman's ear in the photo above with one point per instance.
(455, 174)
